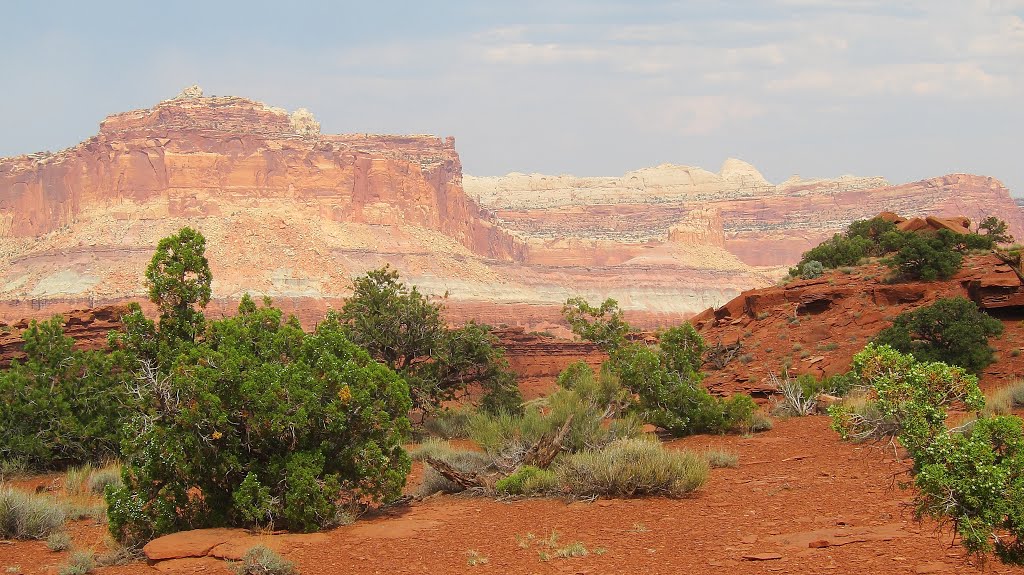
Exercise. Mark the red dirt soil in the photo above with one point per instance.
(796, 486)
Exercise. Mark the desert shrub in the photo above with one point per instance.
(402, 329)
(911, 396)
(260, 422)
(604, 325)
(927, 256)
(101, 478)
(75, 478)
(717, 458)
(970, 475)
(682, 349)
(80, 563)
(58, 541)
(29, 516)
(261, 560)
(1004, 400)
(61, 406)
(660, 385)
(798, 396)
(995, 230)
(676, 401)
(759, 422)
(951, 330)
(837, 251)
(450, 422)
(812, 269)
(632, 468)
(12, 468)
(573, 373)
(974, 480)
(527, 480)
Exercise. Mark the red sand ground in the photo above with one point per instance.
(795, 485)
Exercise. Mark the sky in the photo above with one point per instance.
(906, 90)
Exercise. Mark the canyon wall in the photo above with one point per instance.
(759, 223)
(295, 214)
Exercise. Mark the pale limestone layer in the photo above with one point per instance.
(658, 185)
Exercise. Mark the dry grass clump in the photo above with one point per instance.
(88, 479)
(1004, 400)
(58, 541)
(80, 563)
(717, 458)
(261, 560)
(630, 468)
(29, 516)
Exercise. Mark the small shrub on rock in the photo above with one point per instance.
(951, 330)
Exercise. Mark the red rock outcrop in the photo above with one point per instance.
(194, 155)
(88, 327)
(759, 223)
(816, 326)
(295, 214)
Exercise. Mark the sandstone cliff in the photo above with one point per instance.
(759, 223)
(816, 326)
(295, 214)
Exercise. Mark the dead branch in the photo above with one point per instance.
(542, 453)
(462, 479)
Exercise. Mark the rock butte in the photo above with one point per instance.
(295, 214)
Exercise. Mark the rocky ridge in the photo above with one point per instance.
(295, 214)
(815, 326)
(757, 222)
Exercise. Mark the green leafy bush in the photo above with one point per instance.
(927, 256)
(912, 395)
(604, 325)
(970, 475)
(402, 329)
(974, 479)
(951, 330)
(632, 468)
(676, 401)
(61, 406)
(261, 422)
(527, 480)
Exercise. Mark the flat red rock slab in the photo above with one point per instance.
(193, 566)
(195, 543)
(234, 549)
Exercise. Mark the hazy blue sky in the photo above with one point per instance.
(906, 90)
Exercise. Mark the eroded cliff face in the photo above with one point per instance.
(757, 222)
(196, 157)
(296, 214)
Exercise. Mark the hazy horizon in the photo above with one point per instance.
(819, 88)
